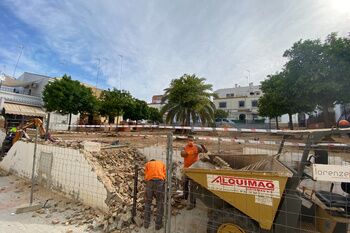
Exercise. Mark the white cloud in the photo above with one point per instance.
(161, 40)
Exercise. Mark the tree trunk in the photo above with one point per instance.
(290, 121)
(70, 121)
(188, 119)
(117, 126)
(47, 126)
(345, 114)
(325, 109)
(277, 126)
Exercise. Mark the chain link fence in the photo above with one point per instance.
(249, 181)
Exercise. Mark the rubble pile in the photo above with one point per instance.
(74, 144)
(3, 173)
(118, 164)
(221, 163)
(115, 167)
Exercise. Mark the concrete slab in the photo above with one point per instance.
(30, 222)
(28, 208)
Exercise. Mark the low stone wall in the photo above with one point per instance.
(64, 170)
(2, 136)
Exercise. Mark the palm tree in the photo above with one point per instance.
(188, 98)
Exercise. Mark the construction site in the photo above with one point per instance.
(92, 180)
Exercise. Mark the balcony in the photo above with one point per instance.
(14, 90)
(20, 97)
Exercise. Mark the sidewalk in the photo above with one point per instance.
(15, 192)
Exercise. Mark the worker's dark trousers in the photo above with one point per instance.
(154, 188)
(187, 189)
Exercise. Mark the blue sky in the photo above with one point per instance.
(160, 40)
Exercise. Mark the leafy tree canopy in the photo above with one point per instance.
(136, 110)
(188, 97)
(320, 71)
(282, 96)
(219, 113)
(68, 96)
(154, 115)
(114, 102)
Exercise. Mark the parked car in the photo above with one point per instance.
(223, 122)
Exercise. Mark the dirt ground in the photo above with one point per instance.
(62, 215)
(15, 192)
(148, 138)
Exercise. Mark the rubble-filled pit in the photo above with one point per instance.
(116, 166)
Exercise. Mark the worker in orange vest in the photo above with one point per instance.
(155, 173)
(190, 153)
(343, 124)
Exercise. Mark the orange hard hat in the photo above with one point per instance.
(343, 123)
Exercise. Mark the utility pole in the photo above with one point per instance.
(248, 76)
(98, 71)
(4, 69)
(20, 54)
(120, 71)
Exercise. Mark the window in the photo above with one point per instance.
(241, 103)
(230, 95)
(257, 93)
(254, 103)
(251, 93)
(222, 104)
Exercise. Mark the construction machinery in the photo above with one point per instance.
(260, 193)
(16, 134)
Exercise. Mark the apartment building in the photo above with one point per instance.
(241, 103)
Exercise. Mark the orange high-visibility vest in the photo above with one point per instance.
(155, 170)
(344, 123)
(192, 155)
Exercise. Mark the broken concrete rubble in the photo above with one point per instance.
(115, 168)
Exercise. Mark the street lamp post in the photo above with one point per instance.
(120, 71)
(248, 76)
(20, 54)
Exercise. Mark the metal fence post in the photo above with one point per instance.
(169, 168)
(219, 144)
(134, 202)
(33, 167)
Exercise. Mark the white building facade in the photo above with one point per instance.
(241, 103)
(157, 102)
(21, 99)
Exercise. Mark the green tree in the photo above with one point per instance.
(112, 103)
(154, 115)
(282, 96)
(322, 70)
(271, 104)
(188, 97)
(219, 113)
(136, 110)
(338, 53)
(68, 96)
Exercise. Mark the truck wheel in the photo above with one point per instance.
(230, 220)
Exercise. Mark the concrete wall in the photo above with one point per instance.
(60, 122)
(62, 169)
(2, 136)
